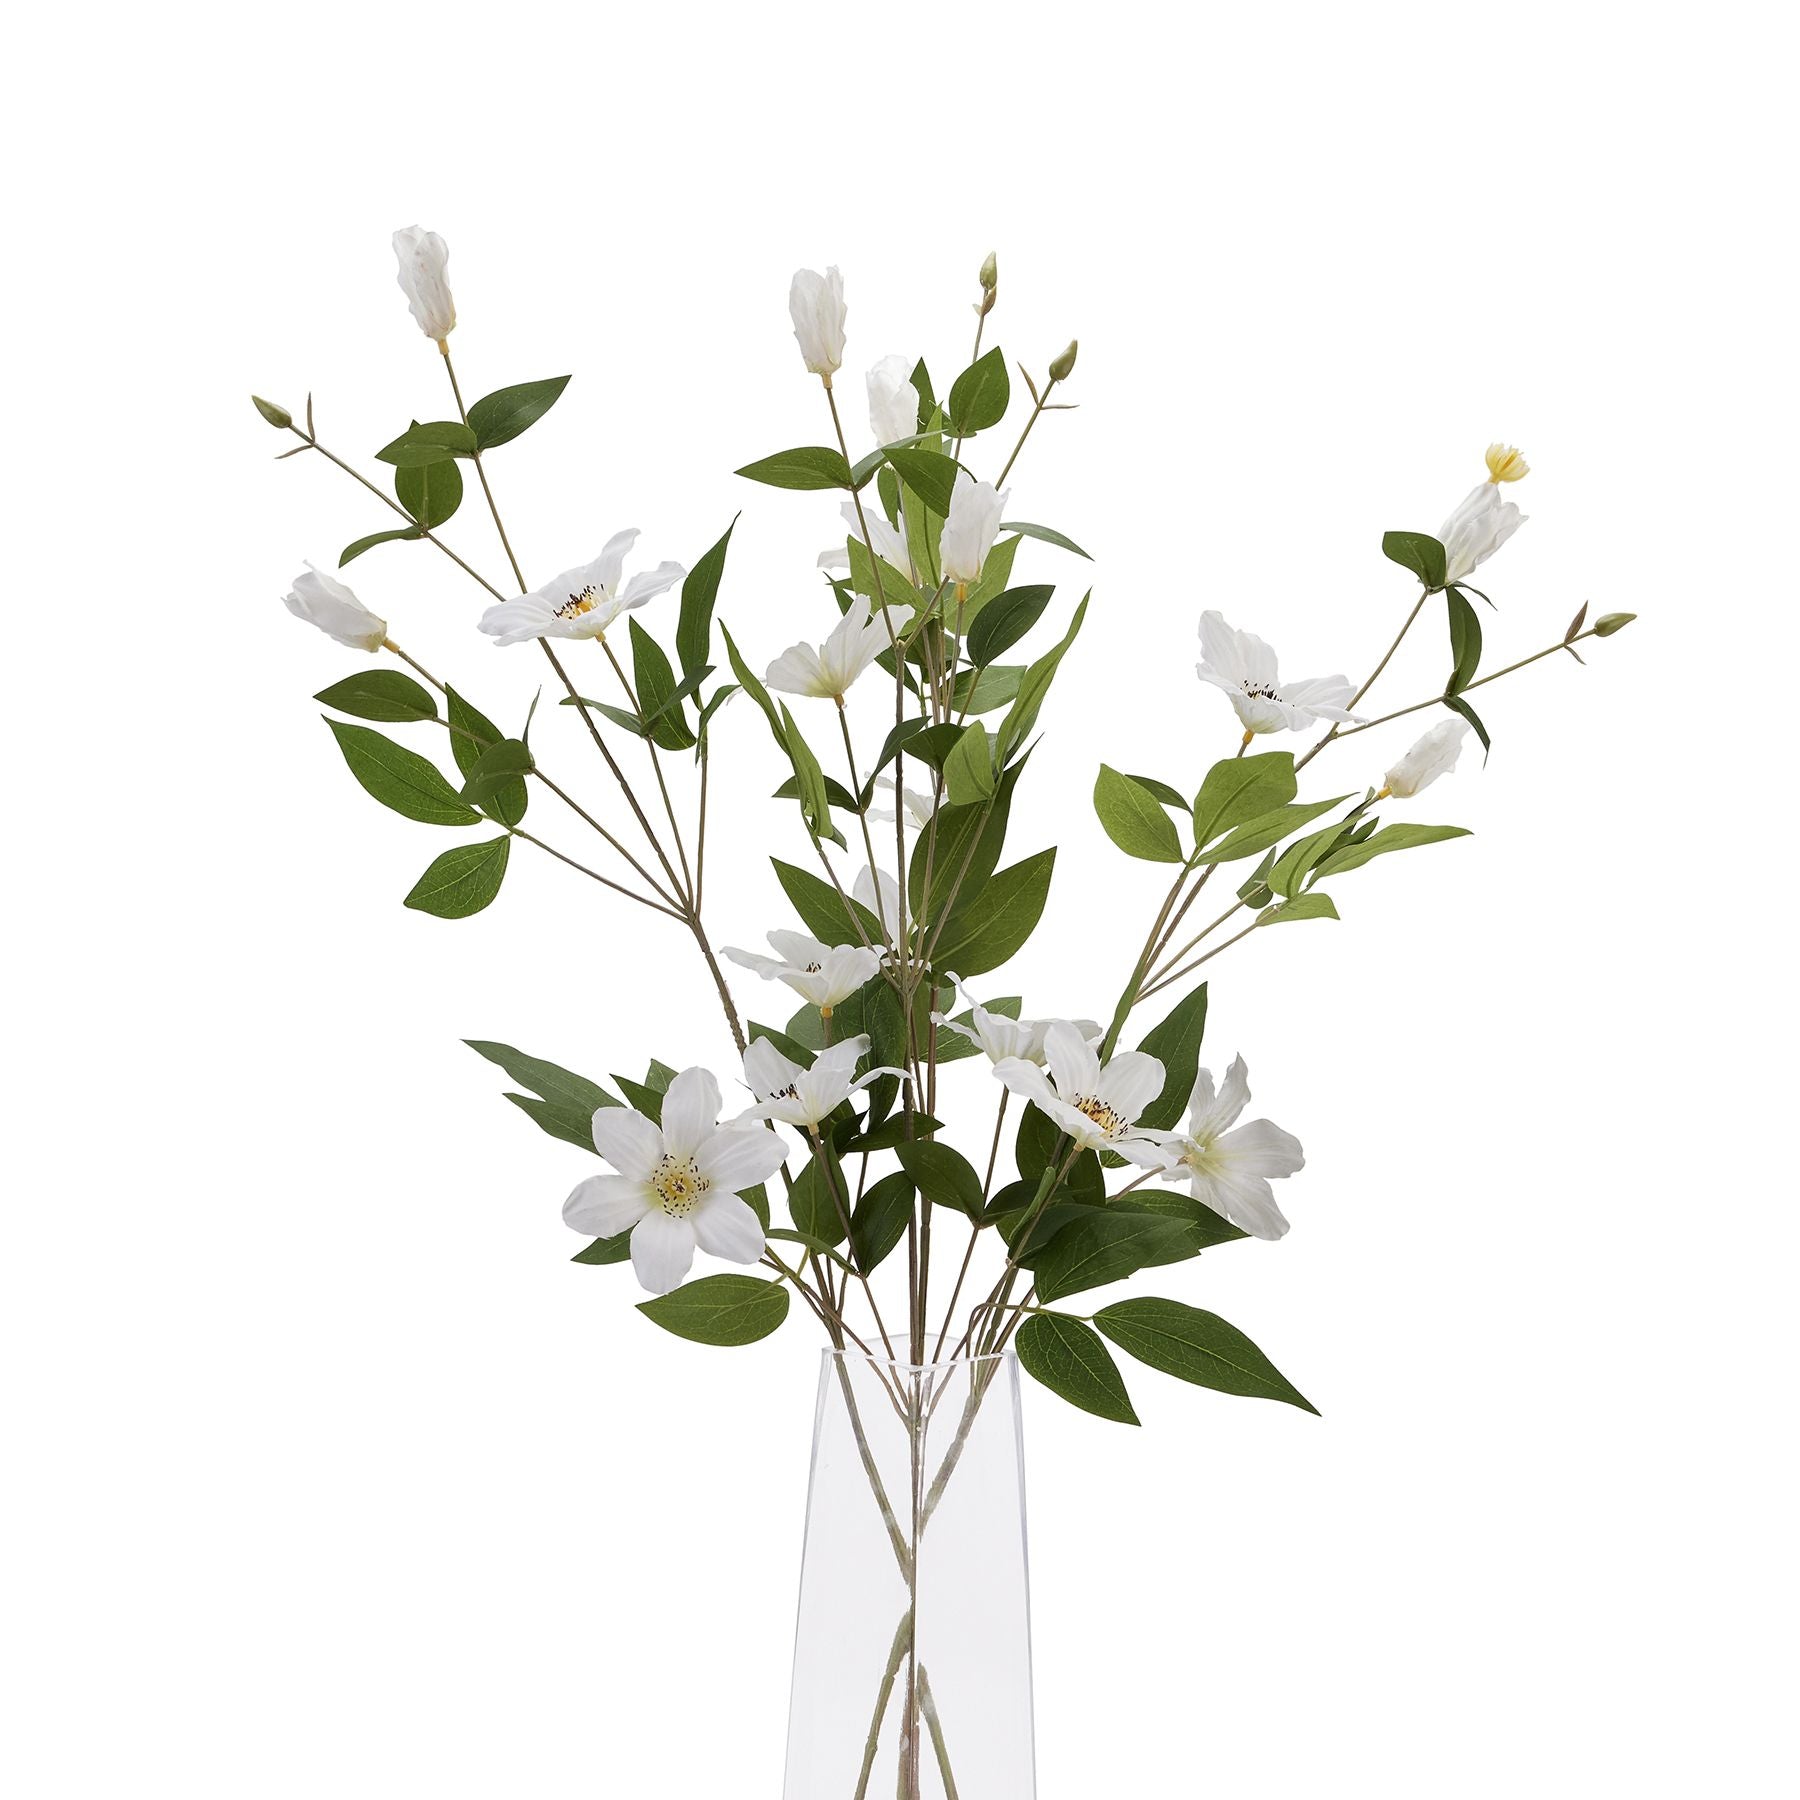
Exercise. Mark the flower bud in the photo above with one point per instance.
(423, 258)
(1608, 623)
(990, 272)
(1506, 464)
(1064, 366)
(278, 416)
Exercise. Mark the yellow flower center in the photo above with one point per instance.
(679, 1185)
(577, 604)
(1506, 464)
(1110, 1122)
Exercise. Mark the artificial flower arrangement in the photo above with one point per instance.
(901, 733)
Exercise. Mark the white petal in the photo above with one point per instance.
(739, 1157)
(766, 966)
(726, 1227)
(605, 569)
(797, 671)
(1026, 1080)
(647, 584)
(1129, 1082)
(690, 1109)
(605, 1205)
(797, 949)
(629, 1141)
(662, 1250)
(1072, 1061)
(1262, 1148)
(1246, 1201)
(766, 1069)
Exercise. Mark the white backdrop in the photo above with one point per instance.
(328, 1472)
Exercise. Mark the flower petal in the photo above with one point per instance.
(726, 1227)
(735, 1158)
(1073, 1064)
(1262, 1148)
(605, 1205)
(1129, 1082)
(629, 1141)
(605, 569)
(648, 583)
(766, 1069)
(690, 1110)
(662, 1250)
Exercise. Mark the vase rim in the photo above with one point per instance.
(906, 1366)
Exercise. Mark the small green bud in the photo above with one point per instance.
(1608, 623)
(1064, 366)
(278, 416)
(990, 272)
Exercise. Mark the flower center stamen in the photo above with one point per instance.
(1109, 1121)
(679, 1185)
(577, 604)
(1260, 690)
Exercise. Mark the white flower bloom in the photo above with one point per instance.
(678, 1183)
(816, 305)
(970, 529)
(423, 257)
(893, 400)
(918, 806)
(889, 540)
(1245, 667)
(999, 1038)
(580, 603)
(336, 611)
(1228, 1170)
(829, 672)
(1433, 755)
(1096, 1106)
(1484, 521)
(824, 974)
(801, 1097)
(880, 893)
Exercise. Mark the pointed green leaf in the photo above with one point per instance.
(400, 778)
(1134, 819)
(1414, 550)
(880, 1219)
(1240, 789)
(929, 473)
(1071, 1361)
(807, 468)
(350, 552)
(980, 394)
(471, 735)
(1465, 641)
(1196, 1346)
(1268, 828)
(1105, 1246)
(969, 768)
(1390, 837)
(1315, 905)
(1175, 1043)
(1045, 535)
(721, 1309)
(420, 445)
(384, 695)
(495, 771)
(699, 594)
(430, 494)
(993, 923)
(1033, 686)
(499, 417)
(655, 683)
(1004, 620)
(943, 1175)
(462, 881)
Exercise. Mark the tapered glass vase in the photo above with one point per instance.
(912, 1662)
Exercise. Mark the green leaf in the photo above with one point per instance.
(721, 1309)
(1208, 1227)
(1390, 837)
(1004, 620)
(1175, 1043)
(803, 469)
(605, 1251)
(1414, 550)
(880, 1219)
(1268, 828)
(655, 681)
(754, 688)
(499, 417)
(1196, 1346)
(809, 778)
(1306, 906)
(818, 1201)
(495, 771)
(421, 445)
(943, 1175)
(1134, 819)
(566, 1102)
(1241, 789)
(1071, 1361)
(969, 768)
(1465, 641)
(407, 533)
(462, 881)
(1165, 792)
(1045, 535)
(929, 473)
(1463, 710)
(991, 924)
(400, 778)
(831, 918)
(1033, 686)
(980, 394)
(983, 690)
(699, 594)
(1107, 1245)
(835, 791)
(430, 494)
(471, 735)
(996, 574)
(384, 695)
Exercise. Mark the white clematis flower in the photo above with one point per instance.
(1228, 1170)
(678, 1183)
(889, 540)
(816, 305)
(999, 1038)
(423, 257)
(918, 806)
(824, 974)
(893, 400)
(1245, 667)
(1097, 1107)
(580, 603)
(970, 528)
(1484, 521)
(830, 671)
(337, 612)
(1433, 755)
(801, 1097)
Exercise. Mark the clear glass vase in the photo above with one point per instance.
(912, 1662)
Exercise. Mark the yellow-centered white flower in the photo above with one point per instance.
(997, 1037)
(826, 975)
(337, 612)
(806, 1097)
(816, 305)
(1433, 755)
(1484, 521)
(678, 1183)
(1226, 1170)
(970, 528)
(1247, 669)
(580, 603)
(893, 400)
(1096, 1106)
(830, 671)
(423, 257)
